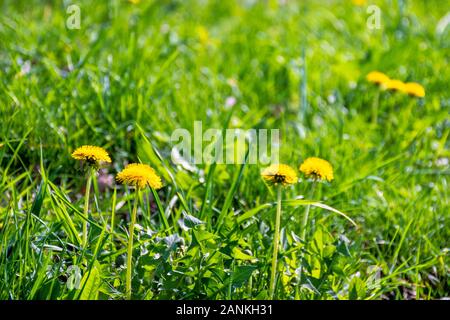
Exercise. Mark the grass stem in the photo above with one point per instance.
(130, 243)
(276, 240)
(86, 206)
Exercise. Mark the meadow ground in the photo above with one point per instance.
(135, 71)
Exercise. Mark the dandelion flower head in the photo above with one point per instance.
(91, 154)
(279, 173)
(415, 89)
(377, 77)
(317, 168)
(139, 175)
(359, 2)
(395, 85)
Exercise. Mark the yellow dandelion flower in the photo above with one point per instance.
(415, 89)
(317, 168)
(91, 154)
(203, 35)
(279, 173)
(394, 85)
(139, 175)
(359, 2)
(377, 77)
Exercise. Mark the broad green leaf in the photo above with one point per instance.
(203, 235)
(239, 255)
(90, 284)
(242, 274)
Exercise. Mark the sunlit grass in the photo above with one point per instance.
(135, 72)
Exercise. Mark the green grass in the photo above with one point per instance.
(134, 73)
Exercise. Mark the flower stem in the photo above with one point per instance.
(306, 214)
(86, 206)
(375, 104)
(113, 215)
(304, 225)
(130, 243)
(276, 240)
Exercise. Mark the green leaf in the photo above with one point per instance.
(162, 214)
(247, 215)
(239, 255)
(357, 289)
(242, 274)
(229, 198)
(90, 284)
(203, 235)
(191, 221)
(295, 203)
(37, 204)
